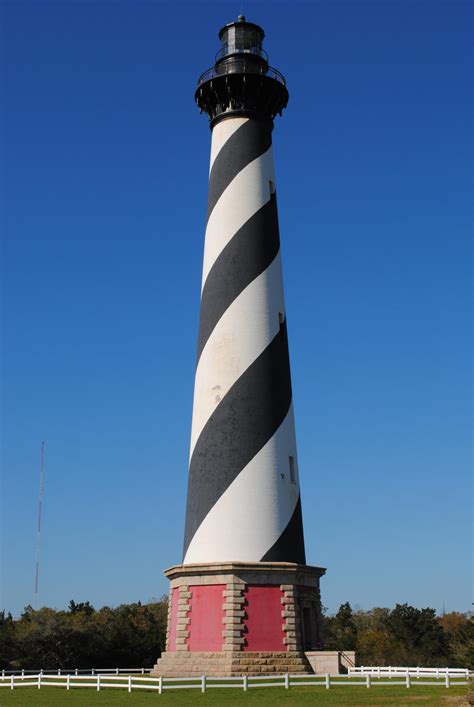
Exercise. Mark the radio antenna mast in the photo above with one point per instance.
(38, 529)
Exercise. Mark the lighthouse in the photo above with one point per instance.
(243, 600)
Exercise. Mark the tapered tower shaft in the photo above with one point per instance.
(243, 493)
(243, 596)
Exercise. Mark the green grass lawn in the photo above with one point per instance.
(431, 696)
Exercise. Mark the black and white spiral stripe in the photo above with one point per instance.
(243, 500)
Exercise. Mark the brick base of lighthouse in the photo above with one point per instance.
(237, 618)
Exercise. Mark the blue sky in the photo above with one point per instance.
(105, 181)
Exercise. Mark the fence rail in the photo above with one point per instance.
(78, 671)
(100, 681)
(387, 671)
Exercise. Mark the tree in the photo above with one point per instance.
(375, 644)
(134, 632)
(84, 607)
(340, 630)
(459, 630)
(7, 639)
(420, 634)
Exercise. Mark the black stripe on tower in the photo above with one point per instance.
(244, 421)
(254, 408)
(252, 139)
(245, 257)
(291, 541)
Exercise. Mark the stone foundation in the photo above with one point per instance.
(220, 664)
(240, 618)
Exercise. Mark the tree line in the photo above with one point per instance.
(133, 636)
(127, 636)
(403, 636)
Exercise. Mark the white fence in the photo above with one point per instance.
(78, 671)
(418, 672)
(140, 682)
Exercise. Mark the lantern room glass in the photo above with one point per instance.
(241, 39)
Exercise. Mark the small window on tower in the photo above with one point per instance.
(292, 470)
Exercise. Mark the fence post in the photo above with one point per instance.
(418, 671)
(93, 673)
(367, 680)
(23, 673)
(13, 682)
(328, 681)
(447, 678)
(76, 672)
(68, 682)
(98, 683)
(160, 685)
(129, 683)
(245, 683)
(203, 683)
(3, 673)
(408, 679)
(287, 681)
(39, 681)
(116, 671)
(143, 671)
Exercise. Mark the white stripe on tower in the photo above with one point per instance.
(244, 196)
(242, 525)
(243, 494)
(227, 355)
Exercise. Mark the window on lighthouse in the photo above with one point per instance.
(292, 470)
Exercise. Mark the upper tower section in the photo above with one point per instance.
(241, 82)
